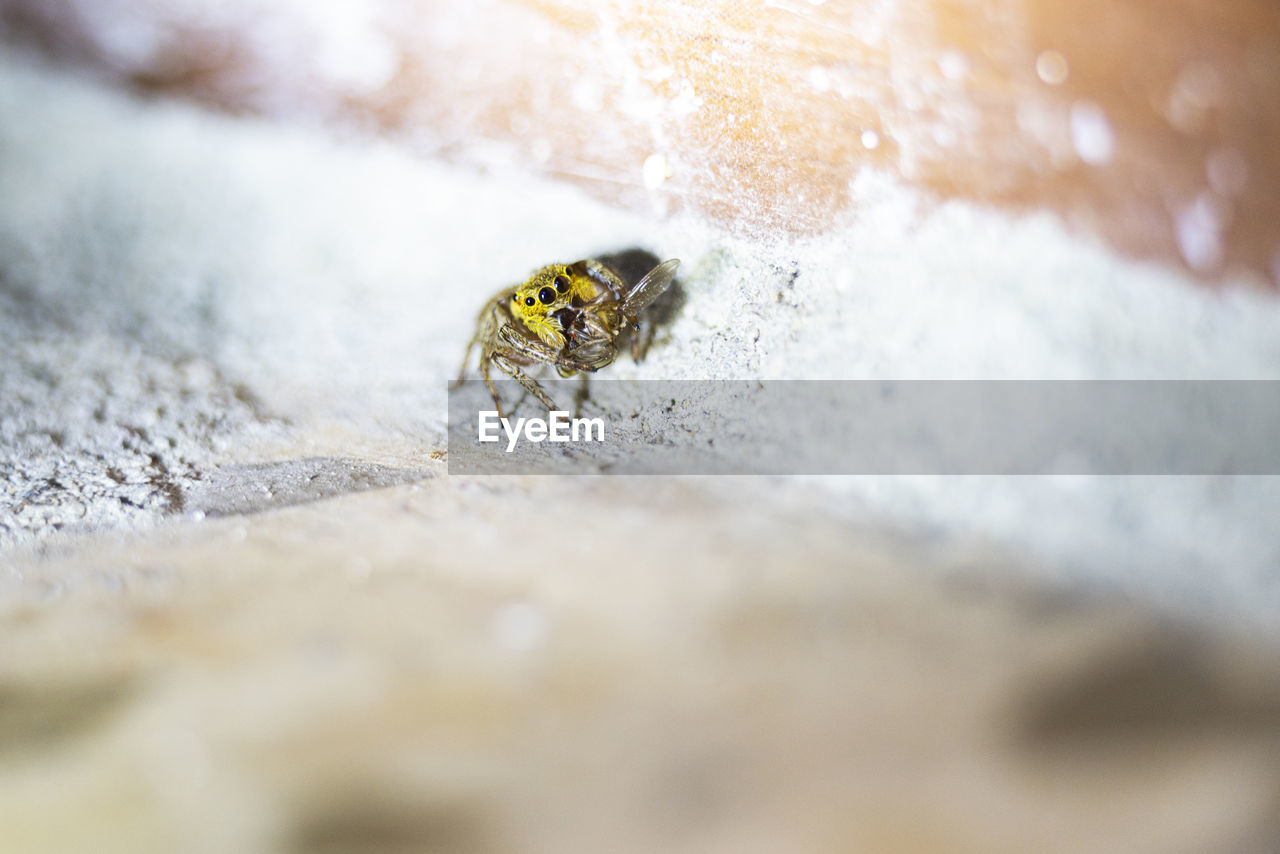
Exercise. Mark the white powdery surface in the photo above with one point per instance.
(338, 281)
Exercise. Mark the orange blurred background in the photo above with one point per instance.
(1154, 124)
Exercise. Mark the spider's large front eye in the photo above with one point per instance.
(562, 283)
(515, 297)
(529, 300)
(547, 295)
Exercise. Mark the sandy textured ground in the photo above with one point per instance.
(245, 609)
(386, 672)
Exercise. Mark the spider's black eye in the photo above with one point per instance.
(547, 295)
(516, 297)
(529, 300)
(562, 283)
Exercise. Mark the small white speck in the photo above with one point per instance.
(588, 95)
(1199, 229)
(658, 73)
(1052, 68)
(541, 150)
(686, 100)
(870, 140)
(1215, 209)
(656, 171)
(1091, 133)
(818, 79)
(519, 627)
(944, 136)
(953, 64)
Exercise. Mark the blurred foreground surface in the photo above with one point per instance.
(381, 672)
(244, 610)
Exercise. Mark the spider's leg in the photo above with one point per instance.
(548, 330)
(581, 396)
(531, 348)
(462, 371)
(593, 354)
(536, 351)
(488, 381)
(503, 361)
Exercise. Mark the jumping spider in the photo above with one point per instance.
(567, 315)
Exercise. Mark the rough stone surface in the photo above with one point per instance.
(95, 432)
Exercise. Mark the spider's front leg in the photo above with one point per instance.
(594, 353)
(594, 350)
(485, 358)
(502, 358)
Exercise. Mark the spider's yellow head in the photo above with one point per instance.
(550, 289)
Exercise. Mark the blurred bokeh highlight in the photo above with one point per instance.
(1150, 124)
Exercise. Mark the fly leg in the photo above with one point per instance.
(635, 341)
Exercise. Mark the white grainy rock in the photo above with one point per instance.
(337, 283)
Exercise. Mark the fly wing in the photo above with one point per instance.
(591, 356)
(648, 289)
